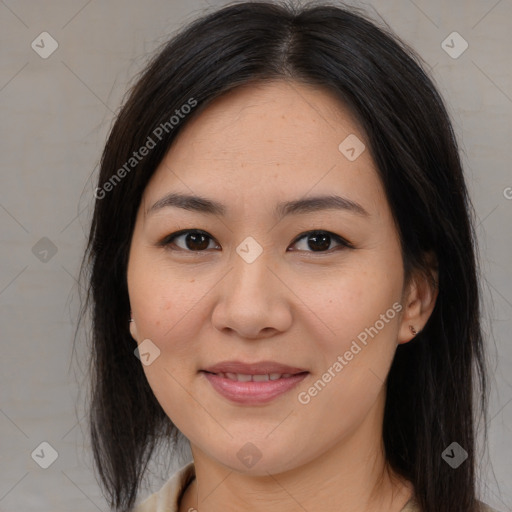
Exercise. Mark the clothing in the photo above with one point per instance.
(168, 497)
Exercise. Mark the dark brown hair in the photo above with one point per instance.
(432, 394)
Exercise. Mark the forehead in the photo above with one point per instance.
(279, 138)
(276, 115)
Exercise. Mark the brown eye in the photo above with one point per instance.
(320, 241)
(192, 240)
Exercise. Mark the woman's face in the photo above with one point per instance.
(254, 286)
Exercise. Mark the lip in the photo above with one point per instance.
(252, 393)
(259, 368)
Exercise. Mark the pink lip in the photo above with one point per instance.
(249, 393)
(260, 368)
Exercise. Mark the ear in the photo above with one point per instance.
(133, 328)
(419, 300)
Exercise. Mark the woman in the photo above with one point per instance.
(283, 237)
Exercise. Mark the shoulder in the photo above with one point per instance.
(167, 498)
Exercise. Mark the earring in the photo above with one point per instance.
(131, 319)
(413, 330)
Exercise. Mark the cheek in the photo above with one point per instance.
(362, 313)
(351, 303)
(168, 312)
(162, 299)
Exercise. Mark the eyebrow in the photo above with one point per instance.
(300, 206)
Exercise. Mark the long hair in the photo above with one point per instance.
(432, 392)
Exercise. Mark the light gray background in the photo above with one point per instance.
(56, 113)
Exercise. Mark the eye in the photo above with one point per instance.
(195, 240)
(319, 241)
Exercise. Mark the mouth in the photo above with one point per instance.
(254, 383)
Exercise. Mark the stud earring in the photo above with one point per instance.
(413, 330)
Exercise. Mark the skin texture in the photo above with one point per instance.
(250, 149)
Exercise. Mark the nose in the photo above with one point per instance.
(252, 301)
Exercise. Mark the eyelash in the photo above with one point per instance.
(169, 239)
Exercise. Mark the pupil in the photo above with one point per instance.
(193, 239)
(324, 244)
